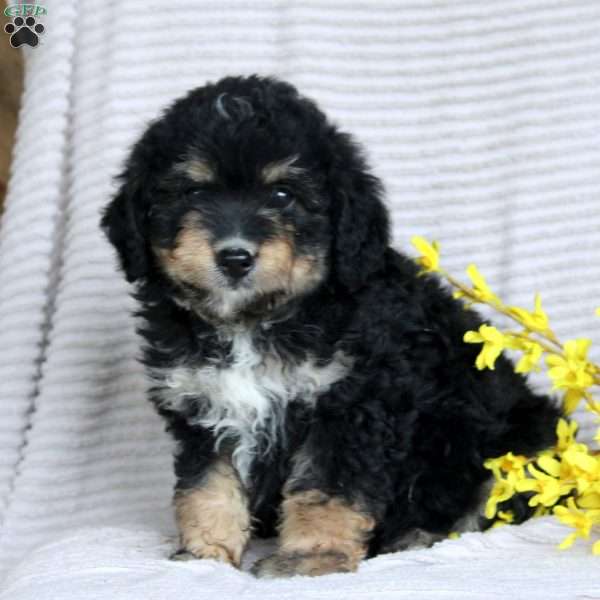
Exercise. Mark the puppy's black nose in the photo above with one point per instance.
(235, 262)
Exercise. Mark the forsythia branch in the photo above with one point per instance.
(564, 480)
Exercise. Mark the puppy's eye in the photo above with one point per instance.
(281, 196)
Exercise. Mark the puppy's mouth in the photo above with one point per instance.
(235, 302)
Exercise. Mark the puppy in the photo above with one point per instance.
(318, 387)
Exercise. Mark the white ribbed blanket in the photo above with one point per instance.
(483, 118)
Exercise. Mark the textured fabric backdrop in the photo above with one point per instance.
(483, 118)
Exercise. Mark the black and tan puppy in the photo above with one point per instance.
(316, 385)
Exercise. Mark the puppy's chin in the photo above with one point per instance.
(239, 303)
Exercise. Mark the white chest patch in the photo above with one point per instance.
(246, 399)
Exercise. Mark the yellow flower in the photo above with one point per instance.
(590, 500)
(550, 465)
(565, 433)
(508, 463)
(429, 258)
(504, 517)
(581, 520)
(480, 290)
(541, 511)
(598, 312)
(560, 470)
(532, 352)
(547, 488)
(493, 342)
(503, 490)
(572, 371)
(534, 321)
(584, 469)
(571, 400)
(578, 457)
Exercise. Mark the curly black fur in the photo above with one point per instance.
(407, 429)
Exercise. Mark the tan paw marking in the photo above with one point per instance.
(319, 534)
(213, 519)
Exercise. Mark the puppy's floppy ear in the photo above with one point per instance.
(123, 223)
(360, 220)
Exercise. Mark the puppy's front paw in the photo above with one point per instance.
(288, 564)
(213, 518)
(214, 551)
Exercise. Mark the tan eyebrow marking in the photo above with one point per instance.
(280, 169)
(198, 170)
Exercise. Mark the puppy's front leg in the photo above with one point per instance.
(213, 516)
(319, 534)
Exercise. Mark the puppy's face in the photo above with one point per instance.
(240, 244)
(245, 198)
